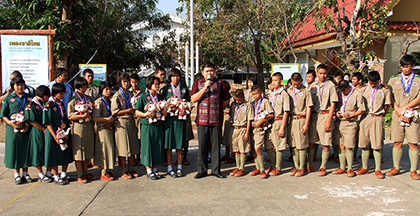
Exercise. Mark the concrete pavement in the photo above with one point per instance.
(280, 195)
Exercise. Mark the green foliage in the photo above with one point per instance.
(388, 117)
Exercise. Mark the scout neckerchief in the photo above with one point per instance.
(107, 103)
(409, 83)
(295, 95)
(237, 109)
(345, 100)
(80, 98)
(176, 90)
(154, 99)
(258, 106)
(275, 93)
(373, 92)
(35, 100)
(126, 98)
(61, 109)
(320, 92)
(21, 104)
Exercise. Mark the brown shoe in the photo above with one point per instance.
(414, 175)
(90, 177)
(338, 171)
(107, 177)
(300, 173)
(322, 172)
(350, 173)
(362, 171)
(134, 173)
(393, 172)
(267, 171)
(126, 175)
(379, 174)
(263, 175)
(310, 169)
(275, 172)
(240, 173)
(293, 172)
(233, 172)
(254, 172)
(82, 180)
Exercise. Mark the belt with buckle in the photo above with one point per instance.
(325, 112)
(373, 115)
(279, 118)
(299, 117)
(238, 127)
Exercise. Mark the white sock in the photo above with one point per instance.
(179, 166)
(16, 174)
(56, 177)
(41, 175)
(169, 168)
(63, 174)
(154, 169)
(48, 173)
(149, 171)
(24, 173)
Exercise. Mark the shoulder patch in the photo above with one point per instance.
(48, 104)
(396, 75)
(418, 76)
(385, 86)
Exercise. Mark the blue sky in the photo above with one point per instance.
(167, 6)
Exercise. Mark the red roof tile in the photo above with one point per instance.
(408, 26)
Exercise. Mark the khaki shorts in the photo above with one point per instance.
(312, 133)
(299, 140)
(279, 143)
(325, 138)
(371, 132)
(398, 131)
(238, 144)
(261, 139)
(348, 130)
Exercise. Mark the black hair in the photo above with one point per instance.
(270, 80)
(135, 76)
(87, 70)
(227, 84)
(239, 93)
(339, 74)
(278, 74)
(343, 84)
(346, 74)
(79, 82)
(311, 72)
(374, 76)
(255, 88)
(122, 76)
(17, 74)
(159, 68)
(58, 88)
(42, 91)
(207, 64)
(103, 85)
(322, 66)
(296, 77)
(150, 80)
(59, 72)
(174, 72)
(407, 60)
(199, 76)
(16, 80)
(358, 75)
(252, 78)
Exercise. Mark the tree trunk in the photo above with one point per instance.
(259, 65)
(65, 60)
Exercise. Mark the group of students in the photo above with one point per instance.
(107, 133)
(330, 111)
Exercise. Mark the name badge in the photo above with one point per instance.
(380, 93)
(414, 84)
(183, 90)
(351, 99)
(278, 97)
(243, 108)
(300, 94)
(325, 90)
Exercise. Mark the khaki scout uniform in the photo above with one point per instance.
(348, 127)
(326, 94)
(280, 101)
(371, 130)
(260, 135)
(312, 133)
(397, 92)
(303, 100)
(248, 96)
(240, 115)
(93, 92)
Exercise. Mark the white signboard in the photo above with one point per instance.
(286, 69)
(27, 54)
(99, 71)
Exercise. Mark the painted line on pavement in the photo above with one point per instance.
(18, 196)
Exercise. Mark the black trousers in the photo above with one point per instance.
(209, 138)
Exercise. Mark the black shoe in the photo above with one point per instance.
(61, 181)
(218, 175)
(18, 180)
(152, 176)
(66, 179)
(28, 178)
(179, 173)
(172, 174)
(157, 175)
(46, 179)
(69, 179)
(200, 175)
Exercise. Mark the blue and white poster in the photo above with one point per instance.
(99, 71)
(286, 69)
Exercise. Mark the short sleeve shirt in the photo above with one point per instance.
(280, 102)
(375, 100)
(100, 110)
(326, 93)
(397, 90)
(302, 99)
(355, 102)
(259, 105)
(241, 114)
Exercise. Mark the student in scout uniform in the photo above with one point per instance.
(260, 136)
(62, 76)
(126, 139)
(241, 116)
(152, 134)
(357, 80)
(55, 118)
(82, 141)
(338, 76)
(405, 89)
(250, 82)
(33, 115)
(327, 96)
(161, 74)
(16, 143)
(313, 138)
(280, 103)
(301, 115)
(352, 106)
(92, 90)
(135, 88)
(378, 99)
(105, 140)
(28, 89)
(227, 130)
(175, 131)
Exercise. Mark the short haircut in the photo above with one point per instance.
(207, 64)
(343, 84)
(374, 76)
(346, 74)
(122, 76)
(239, 93)
(174, 72)
(79, 82)
(17, 74)
(135, 76)
(407, 60)
(311, 72)
(58, 88)
(42, 91)
(159, 68)
(60, 71)
(338, 74)
(296, 77)
(322, 66)
(150, 80)
(103, 85)
(358, 75)
(252, 78)
(255, 88)
(278, 74)
(87, 70)
(16, 80)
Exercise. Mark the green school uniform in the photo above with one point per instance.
(36, 154)
(175, 131)
(16, 144)
(52, 115)
(152, 134)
